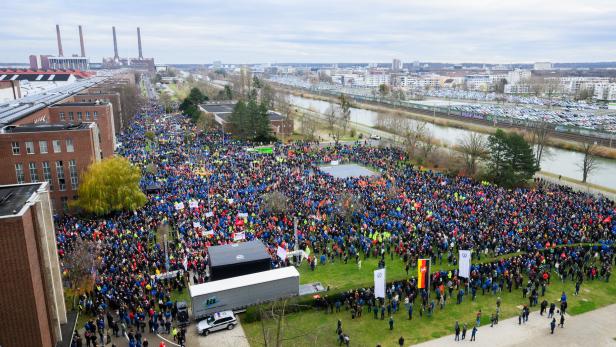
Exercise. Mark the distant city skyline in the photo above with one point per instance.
(277, 31)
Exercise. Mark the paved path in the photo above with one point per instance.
(591, 329)
(225, 338)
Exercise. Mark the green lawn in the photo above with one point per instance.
(316, 328)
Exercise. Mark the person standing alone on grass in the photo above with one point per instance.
(391, 323)
(401, 341)
(457, 329)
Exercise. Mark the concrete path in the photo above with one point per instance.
(224, 338)
(595, 328)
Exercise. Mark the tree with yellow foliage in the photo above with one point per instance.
(110, 185)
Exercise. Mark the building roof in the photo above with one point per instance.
(43, 127)
(243, 252)
(244, 281)
(218, 108)
(273, 116)
(48, 77)
(100, 103)
(224, 110)
(14, 197)
(15, 110)
(77, 73)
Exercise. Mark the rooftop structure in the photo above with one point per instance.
(42, 127)
(15, 110)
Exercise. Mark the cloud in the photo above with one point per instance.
(250, 31)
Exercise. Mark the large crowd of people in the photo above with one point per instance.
(210, 189)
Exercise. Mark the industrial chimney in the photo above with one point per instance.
(83, 50)
(115, 46)
(139, 43)
(60, 52)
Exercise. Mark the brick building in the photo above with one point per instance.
(98, 112)
(53, 153)
(32, 300)
(104, 95)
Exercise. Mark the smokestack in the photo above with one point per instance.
(115, 45)
(83, 50)
(139, 42)
(60, 52)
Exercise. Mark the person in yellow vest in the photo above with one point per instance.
(174, 333)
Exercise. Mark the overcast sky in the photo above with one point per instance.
(261, 31)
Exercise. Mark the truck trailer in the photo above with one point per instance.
(242, 291)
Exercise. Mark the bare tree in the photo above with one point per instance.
(536, 85)
(282, 103)
(309, 127)
(539, 138)
(472, 147)
(275, 202)
(427, 144)
(330, 116)
(345, 111)
(274, 329)
(348, 204)
(589, 162)
(79, 263)
(412, 135)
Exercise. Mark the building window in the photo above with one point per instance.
(95, 114)
(19, 172)
(64, 201)
(15, 146)
(57, 148)
(60, 174)
(87, 115)
(29, 147)
(33, 173)
(79, 116)
(71, 116)
(69, 145)
(47, 174)
(43, 147)
(72, 168)
(61, 116)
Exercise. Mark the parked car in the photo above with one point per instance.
(375, 137)
(182, 315)
(218, 321)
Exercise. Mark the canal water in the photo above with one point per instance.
(557, 161)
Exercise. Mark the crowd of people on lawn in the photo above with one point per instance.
(208, 189)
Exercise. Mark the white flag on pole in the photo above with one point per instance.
(282, 253)
(465, 264)
(379, 283)
(239, 236)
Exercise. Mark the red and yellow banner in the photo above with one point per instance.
(423, 273)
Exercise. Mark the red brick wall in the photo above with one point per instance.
(114, 98)
(22, 302)
(84, 154)
(104, 122)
